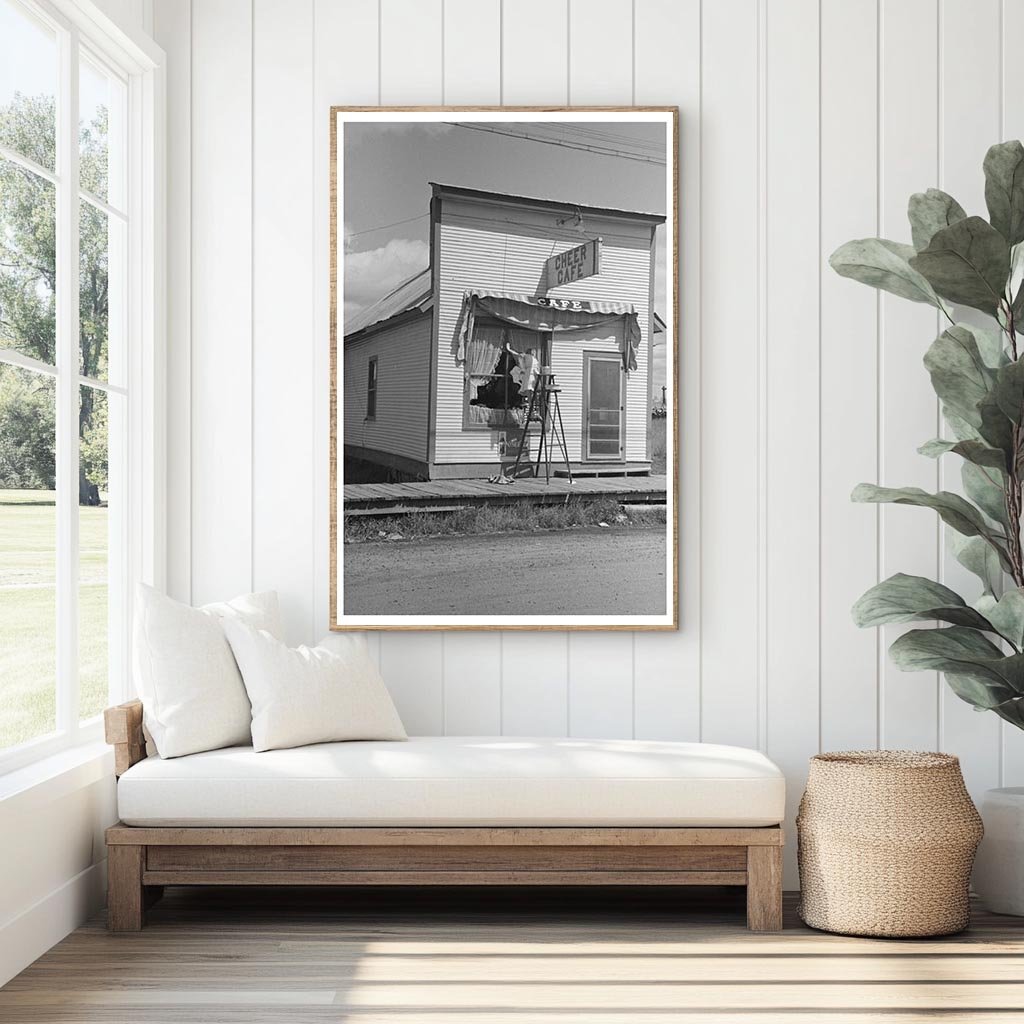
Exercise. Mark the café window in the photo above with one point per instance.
(495, 395)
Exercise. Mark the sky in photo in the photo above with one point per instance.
(387, 195)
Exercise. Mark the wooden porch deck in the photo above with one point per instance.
(449, 494)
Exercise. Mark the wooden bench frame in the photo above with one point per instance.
(142, 860)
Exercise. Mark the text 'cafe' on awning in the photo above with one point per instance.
(437, 374)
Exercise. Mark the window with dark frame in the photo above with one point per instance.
(371, 388)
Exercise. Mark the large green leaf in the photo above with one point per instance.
(990, 345)
(983, 694)
(976, 452)
(958, 372)
(1004, 189)
(986, 488)
(976, 555)
(967, 263)
(1006, 614)
(961, 429)
(996, 428)
(964, 652)
(1011, 711)
(903, 598)
(883, 264)
(952, 509)
(932, 211)
(1009, 390)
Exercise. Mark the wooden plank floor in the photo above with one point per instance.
(480, 492)
(219, 956)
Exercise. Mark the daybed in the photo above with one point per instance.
(444, 811)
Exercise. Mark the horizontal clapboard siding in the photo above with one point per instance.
(403, 374)
(479, 252)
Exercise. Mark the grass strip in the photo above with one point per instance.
(514, 517)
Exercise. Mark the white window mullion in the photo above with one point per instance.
(67, 387)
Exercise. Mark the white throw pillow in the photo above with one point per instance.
(309, 694)
(192, 693)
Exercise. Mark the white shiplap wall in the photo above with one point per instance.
(804, 123)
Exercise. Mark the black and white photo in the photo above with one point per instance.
(504, 359)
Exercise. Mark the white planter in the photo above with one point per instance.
(999, 867)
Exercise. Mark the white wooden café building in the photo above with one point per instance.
(436, 374)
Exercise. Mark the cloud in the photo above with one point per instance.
(371, 274)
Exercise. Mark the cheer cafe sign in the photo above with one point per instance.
(574, 264)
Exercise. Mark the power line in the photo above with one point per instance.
(597, 146)
(565, 144)
(381, 227)
(628, 141)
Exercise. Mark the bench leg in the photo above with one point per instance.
(764, 888)
(125, 896)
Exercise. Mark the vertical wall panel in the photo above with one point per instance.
(909, 414)
(600, 685)
(1012, 127)
(410, 51)
(472, 684)
(849, 372)
(666, 666)
(221, 371)
(600, 73)
(730, 191)
(414, 672)
(173, 29)
(472, 52)
(535, 682)
(283, 339)
(534, 58)
(792, 417)
(968, 125)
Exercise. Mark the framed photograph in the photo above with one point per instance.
(504, 399)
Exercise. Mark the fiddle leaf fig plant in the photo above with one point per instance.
(977, 372)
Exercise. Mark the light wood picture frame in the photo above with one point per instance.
(501, 277)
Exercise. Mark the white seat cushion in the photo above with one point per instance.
(458, 780)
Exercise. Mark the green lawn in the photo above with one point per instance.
(28, 524)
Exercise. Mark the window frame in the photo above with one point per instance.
(372, 380)
(139, 63)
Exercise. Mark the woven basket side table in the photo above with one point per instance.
(886, 841)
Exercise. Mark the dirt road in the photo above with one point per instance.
(616, 571)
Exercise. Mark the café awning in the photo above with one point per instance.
(548, 313)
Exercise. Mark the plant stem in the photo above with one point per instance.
(1012, 496)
